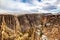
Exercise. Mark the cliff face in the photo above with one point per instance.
(30, 27)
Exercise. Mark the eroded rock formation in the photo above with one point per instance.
(30, 27)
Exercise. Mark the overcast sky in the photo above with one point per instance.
(30, 5)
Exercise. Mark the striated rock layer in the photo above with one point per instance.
(30, 27)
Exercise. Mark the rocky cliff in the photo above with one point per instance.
(30, 27)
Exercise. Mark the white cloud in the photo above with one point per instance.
(32, 6)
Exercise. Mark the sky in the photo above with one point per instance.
(33, 6)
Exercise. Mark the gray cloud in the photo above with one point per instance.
(51, 7)
(30, 5)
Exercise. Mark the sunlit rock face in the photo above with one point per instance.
(30, 27)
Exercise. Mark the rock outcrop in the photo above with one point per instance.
(30, 27)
